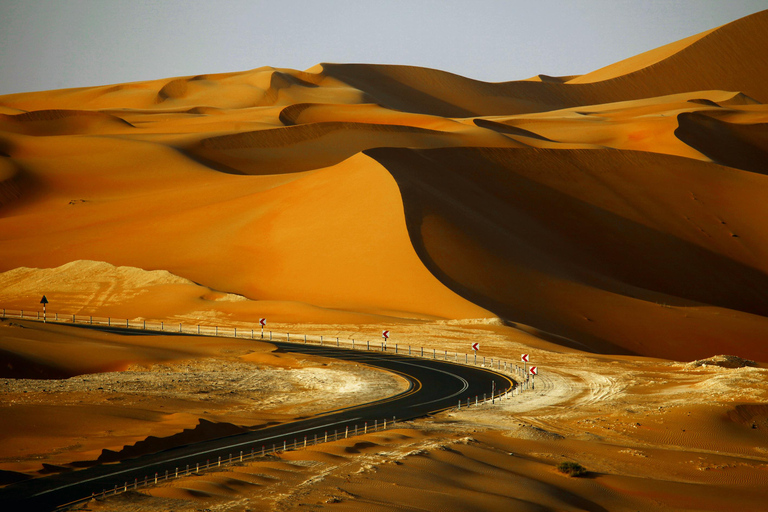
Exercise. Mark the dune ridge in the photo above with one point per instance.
(694, 64)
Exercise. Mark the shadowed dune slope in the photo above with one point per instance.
(744, 146)
(307, 146)
(570, 241)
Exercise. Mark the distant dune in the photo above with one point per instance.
(621, 211)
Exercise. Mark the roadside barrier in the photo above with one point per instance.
(256, 451)
(525, 382)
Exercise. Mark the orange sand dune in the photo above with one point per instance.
(694, 64)
(308, 146)
(649, 124)
(262, 87)
(344, 260)
(587, 209)
(60, 122)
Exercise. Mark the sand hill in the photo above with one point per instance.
(620, 210)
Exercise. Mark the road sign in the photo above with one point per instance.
(263, 321)
(385, 334)
(44, 301)
(524, 358)
(475, 347)
(534, 370)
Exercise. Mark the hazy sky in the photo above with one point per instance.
(52, 44)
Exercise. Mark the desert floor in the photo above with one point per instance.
(653, 434)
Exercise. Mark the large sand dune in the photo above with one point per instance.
(293, 189)
(598, 216)
(620, 212)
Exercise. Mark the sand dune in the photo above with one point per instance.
(61, 122)
(567, 202)
(694, 64)
(309, 146)
(564, 207)
(546, 226)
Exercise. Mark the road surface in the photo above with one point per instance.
(435, 385)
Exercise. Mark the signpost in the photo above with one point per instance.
(262, 322)
(475, 347)
(534, 372)
(44, 301)
(524, 359)
(385, 335)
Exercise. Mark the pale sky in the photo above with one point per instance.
(53, 44)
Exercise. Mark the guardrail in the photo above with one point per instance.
(243, 456)
(526, 382)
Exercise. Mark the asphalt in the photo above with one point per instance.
(435, 385)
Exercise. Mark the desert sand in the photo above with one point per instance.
(611, 224)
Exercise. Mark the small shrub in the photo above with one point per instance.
(571, 469)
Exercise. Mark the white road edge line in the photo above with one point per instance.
(462, 379)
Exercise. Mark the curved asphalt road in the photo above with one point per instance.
(435, 385)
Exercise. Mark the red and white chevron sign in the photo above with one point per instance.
(385, 334)
(534, 370)
(263, 321)
(524, 358)
(475, 347)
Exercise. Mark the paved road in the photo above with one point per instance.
(435, 385)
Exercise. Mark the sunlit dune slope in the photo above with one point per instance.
(620, 211)
(294, 238)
